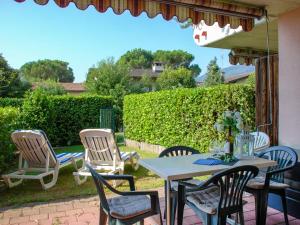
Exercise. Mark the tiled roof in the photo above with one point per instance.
(74, 87)
(232, 73)
(69, 87)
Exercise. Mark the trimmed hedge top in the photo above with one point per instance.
(185, 116)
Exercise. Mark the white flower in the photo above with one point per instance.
(216, 126)
(220, 127)
(239, 120)
(240, 125)
(237, 115)
(228, 114)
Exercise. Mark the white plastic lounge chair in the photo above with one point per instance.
(103, 155)
(261, 141)
(37, 159)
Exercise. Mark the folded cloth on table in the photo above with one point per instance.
(209, 161)
(214, 161)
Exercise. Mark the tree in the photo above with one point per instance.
(177, 58)
(175, 78)
(174, 59)
(11, 83)
(51, 88)
(106, 76)
(47, 69)
(214, 74)
(147, 83)
(196, 70)
(137, 58)
(110, 78)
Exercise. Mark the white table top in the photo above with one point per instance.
(181, 167)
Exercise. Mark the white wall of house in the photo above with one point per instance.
(289, 78)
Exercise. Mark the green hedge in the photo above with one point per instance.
(14, 102)
(185, 116)
(8, 123)
(62, 117)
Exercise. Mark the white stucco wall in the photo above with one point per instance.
(289, 78)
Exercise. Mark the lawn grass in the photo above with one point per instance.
(31, 191)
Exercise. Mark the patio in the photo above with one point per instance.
(85, 211)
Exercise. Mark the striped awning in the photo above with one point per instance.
(245, 56)
(210, 11)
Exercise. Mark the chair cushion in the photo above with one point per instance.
(125, 207)
(259, 183)
(66, 157)
(205, 200)
(128, 155)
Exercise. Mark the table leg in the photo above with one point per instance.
(168, 206)
(261, 207)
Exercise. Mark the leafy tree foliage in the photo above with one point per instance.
(137, 58)
(48, 70)
(103, 78)
(177, 58)
(110, 78)
(196, 70)
(11, 84)
(180, 77)
(214, 74)
(51, 88)
(174, 59)
(140, 58)
(148, 83)
(251, 79)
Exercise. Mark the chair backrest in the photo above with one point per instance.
(35, 148)
(261, 140)
(178, 151)
(232, 183)
(100, 146)
(100, 183)
(285, 157)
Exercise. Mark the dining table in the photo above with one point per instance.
(183, 167)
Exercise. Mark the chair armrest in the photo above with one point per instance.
(153, 197)
(272, 170)
(151, 193)
(188, 187)
(129, 178)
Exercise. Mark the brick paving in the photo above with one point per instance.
(86, 212)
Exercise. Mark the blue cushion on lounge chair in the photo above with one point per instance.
(66, 157)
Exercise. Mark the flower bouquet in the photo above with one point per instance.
(230, 123)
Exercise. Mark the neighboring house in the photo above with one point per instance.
(231, 74)
(154, 72)
(71, 88)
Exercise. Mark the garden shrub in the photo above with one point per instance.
(8, 123)
(62, 117)
(185, 116)
(14, 102)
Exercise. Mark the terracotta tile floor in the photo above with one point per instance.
(86, 212)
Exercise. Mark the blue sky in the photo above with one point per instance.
(30, 32)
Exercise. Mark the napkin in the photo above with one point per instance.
(209, 161)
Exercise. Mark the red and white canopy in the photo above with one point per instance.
(210, 11)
